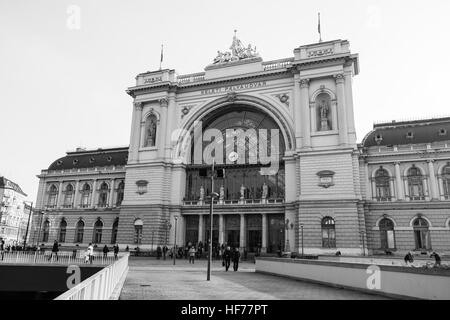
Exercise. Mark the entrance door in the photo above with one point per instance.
(276, 233)
(254, 240)
(232, 238)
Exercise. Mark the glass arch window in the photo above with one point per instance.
(79, 232)
(46, 231)
(151, 124)
(103, 195)
(85, 195)
(328, 233)
(115, 229)
(421, 234)
(382, 185)
(52, 196)
(387, 236)
(120, 193)
(446, 182)
(62, 231)
(68, 196)
(415, 184)
(138, 226)
(98, 230)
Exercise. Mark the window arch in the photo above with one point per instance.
(85, 195)
(328, 233)
(68, 196)
(138, 226)
(421, 234)
(446, 181)
(382, 185)
(151, 124)
(387, 235)
(46, 231)
(98, 230)
(79, 232)
(103, 195)
(120, 193)
(115, 229)
(52, 196)
(415, 184)
(62, 231)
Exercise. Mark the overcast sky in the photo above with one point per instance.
(61, 87)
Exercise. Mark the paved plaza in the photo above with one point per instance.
(151, 279)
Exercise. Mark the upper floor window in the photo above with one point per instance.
(85, 195)
(68, 196)
(62, 231)
(103, 195)
(446, 181)
(150, 131)
(328, 233)
(382, 185)
(52, 196)
(120, 192)
(415, 184)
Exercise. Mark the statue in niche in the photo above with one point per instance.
(221, 193)
(324, 111)
(264, 191)
(202, 193)
(242, 192)
(150, 140)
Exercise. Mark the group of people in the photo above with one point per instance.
(409, 258)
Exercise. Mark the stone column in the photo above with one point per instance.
(342, 114)
(221, 229)
(171, 122)
(242, 240)
(76, 194)
(111, 194)
(297, 111)
(94, 192)
(312, 117)
(399, 182)
(391, 187)
(264, 233)
(135, 143)
(349, 106)
(291, 180)
(200, 228)
(59, 201)
(162, 127)
(441, 188)
(433, 182)
(304, 112)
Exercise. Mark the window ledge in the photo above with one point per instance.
(148, 149)
(324, 133)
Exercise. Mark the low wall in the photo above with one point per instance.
(393, 281)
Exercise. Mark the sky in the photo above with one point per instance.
(65, 65)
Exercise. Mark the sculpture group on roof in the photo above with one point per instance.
(237, 52)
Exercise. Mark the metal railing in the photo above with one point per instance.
(104, 285)
(64, 258)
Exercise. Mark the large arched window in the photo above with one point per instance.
(120, 192)
(68, 196)
(415, 184)
(382, 185)
(387, 236)
(103, 195)
(62, 231)
(85, 195)
(422, 234)
(52, 196)
(98, 230)
(138, 226)
(46, 231)
(115, 229)
(151, 124)
(328, 233)
(446, 182)
(79, 232)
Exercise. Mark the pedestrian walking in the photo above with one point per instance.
(437, 258)
(55, 250)
(192, 254)
(165, 249)
(116, 251)
(408, 258)
(158, 252)
(90, 252)
(236, 256)
(2, 248)
(105, 251)
(227, 258)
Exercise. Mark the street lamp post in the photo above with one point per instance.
(28, 226)
(362, 233)
(40, 226)
(168, 227)
(175, 242)
(301, 228)
(211, 208)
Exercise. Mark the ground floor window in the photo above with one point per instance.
(421, 234)
(387, 235)
(328, 233)
(138, 226)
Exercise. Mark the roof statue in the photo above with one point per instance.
(238, 51)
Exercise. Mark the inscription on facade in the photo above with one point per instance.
(152, 80)
(319, 53)
(238, 87)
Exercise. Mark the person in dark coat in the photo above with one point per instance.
(55, 250)
(437, 258)
(408, 258)
(105, 251)
(227, 258)
(164, 250)
(116, 251)
(158, 252)
(236, 256)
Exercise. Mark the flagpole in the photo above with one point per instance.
(320, 33)
(161, 60)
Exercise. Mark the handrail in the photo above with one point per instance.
(103, 285)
